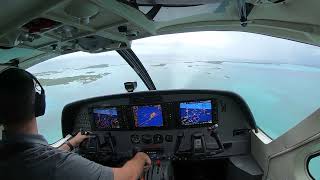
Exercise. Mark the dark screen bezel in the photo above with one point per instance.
(214, 112)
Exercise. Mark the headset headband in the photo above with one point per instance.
(31, 75)
(40, 98)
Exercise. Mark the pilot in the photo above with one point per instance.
(25, 154)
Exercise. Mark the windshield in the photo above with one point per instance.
(277, 78)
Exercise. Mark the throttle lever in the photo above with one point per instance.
(135, 150)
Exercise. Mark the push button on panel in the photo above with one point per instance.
(169, 138)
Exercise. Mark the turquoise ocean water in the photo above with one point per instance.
(279, 95)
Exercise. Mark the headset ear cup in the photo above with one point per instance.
(40, 104)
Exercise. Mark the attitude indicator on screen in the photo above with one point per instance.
(106, 118)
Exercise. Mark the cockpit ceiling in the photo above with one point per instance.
(55, 27)
(176, 2)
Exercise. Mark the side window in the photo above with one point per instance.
(314, 166)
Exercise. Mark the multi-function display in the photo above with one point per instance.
(196, 113)
(147, 116)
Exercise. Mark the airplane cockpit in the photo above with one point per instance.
(188, 134)
(266, 51)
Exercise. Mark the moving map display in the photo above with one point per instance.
(196, 112)
(148, 116)
(106, 118)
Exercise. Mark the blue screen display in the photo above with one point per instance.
(148, 116)
(196, 112)
(106, 118)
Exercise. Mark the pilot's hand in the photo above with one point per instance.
(146, 159)
(134, 168)
(77, 139)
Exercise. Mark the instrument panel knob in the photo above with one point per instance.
(135, 139)
(146, 138)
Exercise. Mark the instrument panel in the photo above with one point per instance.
(178, 129)
(168, 125)
(168, 110)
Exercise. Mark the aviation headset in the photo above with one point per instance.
(40, 98)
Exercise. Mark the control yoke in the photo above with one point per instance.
(198, 144)
(178, 143)
(214, 133)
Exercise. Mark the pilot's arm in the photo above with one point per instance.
(73, 166)
(73, 142)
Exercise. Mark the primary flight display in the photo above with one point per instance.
(106, 118)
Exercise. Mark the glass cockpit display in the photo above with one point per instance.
(147, 116)
(196, 113)
(106, 118)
